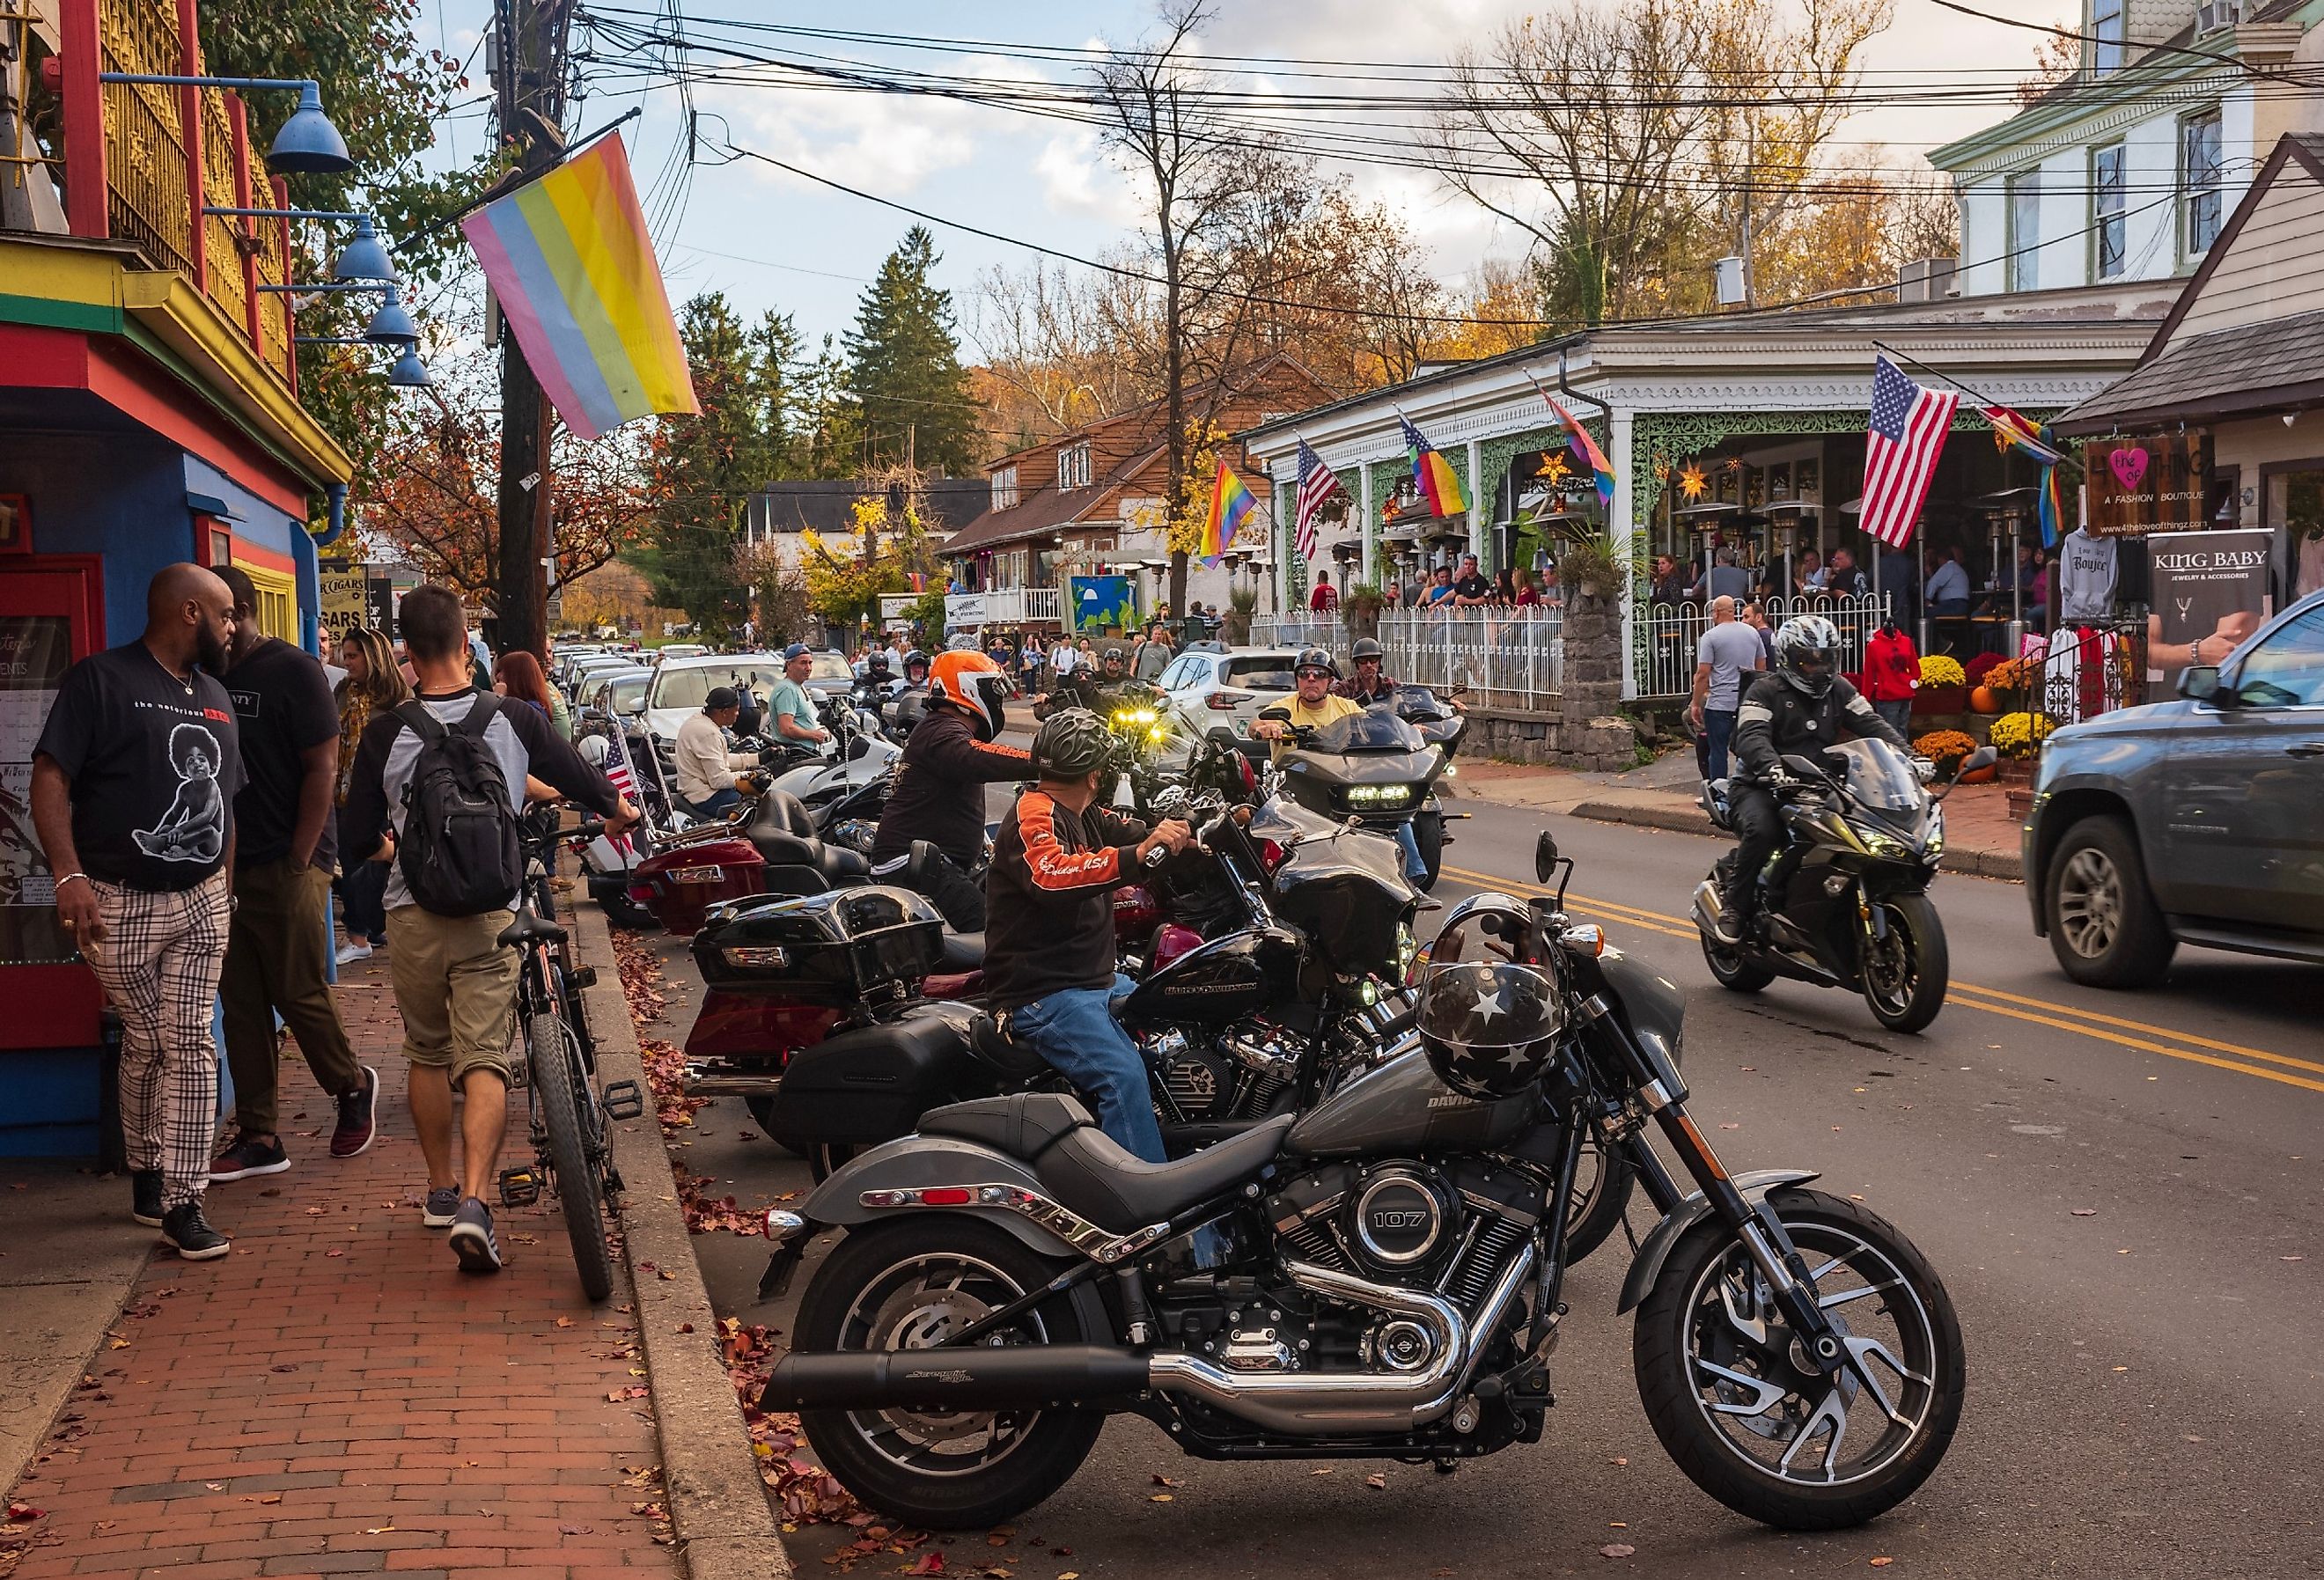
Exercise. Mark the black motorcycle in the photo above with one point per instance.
(1377, 1276)
(1293, 978)
(1846, 901)
(1376, 767)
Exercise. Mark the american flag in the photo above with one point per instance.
(1317, 484)
(1907, 433)
(617, 775)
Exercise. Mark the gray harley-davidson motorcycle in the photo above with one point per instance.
(1380, 1276)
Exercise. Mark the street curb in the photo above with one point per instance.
(717, 1503)
(2003, 865)
(64, 1371)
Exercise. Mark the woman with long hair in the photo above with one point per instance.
(374, 683)
(518, 675)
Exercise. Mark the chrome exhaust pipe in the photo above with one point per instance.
(1310, 1403)
(1710, 905)
(702, 1081)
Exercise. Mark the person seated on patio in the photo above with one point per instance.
(1946, 592)
(1471, 587)
(1841, 579)
(1440, 590)
(2034, 584)
(1724, 580)
(1669, 583)
(1528, 595)
(1807, 573)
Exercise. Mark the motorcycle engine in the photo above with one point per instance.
(1240, 1074)
(1398, 1216)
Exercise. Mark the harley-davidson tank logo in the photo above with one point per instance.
(1454, 1100)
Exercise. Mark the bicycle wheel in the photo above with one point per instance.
(580, 1193)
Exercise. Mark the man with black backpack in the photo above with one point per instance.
(440, 782)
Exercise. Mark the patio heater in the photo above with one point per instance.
(2004, 517)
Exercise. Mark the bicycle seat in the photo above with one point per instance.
(531, 927)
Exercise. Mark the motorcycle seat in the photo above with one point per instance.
(962, 952)
(1087, 1171)
(992, 1043)
(1021, 1125)
(840, 865)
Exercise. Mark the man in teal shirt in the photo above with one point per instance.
(788, 705)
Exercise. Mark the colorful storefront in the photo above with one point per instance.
(148, 414)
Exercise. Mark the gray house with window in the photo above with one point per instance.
(2126, 170)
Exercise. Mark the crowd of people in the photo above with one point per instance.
(199, 792)
(1448, 587)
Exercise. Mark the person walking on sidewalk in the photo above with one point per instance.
(373, 684)
(455, 981)
(133, 784)
(1727, 651)
(276, 946)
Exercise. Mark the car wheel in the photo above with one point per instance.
(2105, 927)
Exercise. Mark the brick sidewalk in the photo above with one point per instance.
(335, 1398)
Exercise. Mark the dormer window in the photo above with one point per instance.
(2108, 33)
(1073, 467)
(1004, 488)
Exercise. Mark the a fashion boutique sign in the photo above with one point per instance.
(2148, 484)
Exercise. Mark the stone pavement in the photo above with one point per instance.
(335, 1398)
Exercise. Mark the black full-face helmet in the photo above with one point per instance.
(1488, 1027)
(1807, 653)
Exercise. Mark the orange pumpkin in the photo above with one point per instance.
(1984, 700)
(1984, 775)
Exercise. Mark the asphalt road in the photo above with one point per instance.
(2120, 1190)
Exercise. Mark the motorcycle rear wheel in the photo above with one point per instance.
(826, 1158)
(1904, 986)
(906, 1285)
(1774, 1441)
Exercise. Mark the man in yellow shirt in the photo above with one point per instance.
(1314, 705)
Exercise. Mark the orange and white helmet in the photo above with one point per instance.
(971, 681)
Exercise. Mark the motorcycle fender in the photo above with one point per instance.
(1646, 1267)
(918, 1162)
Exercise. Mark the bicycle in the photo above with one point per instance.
(567, 1118)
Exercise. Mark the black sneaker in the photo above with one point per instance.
(441, 1208)
(184, 1227)
(471, 1238)
(248, 1155)
(145, 1196)
(355, 1132)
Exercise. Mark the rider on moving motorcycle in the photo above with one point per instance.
(939, 792)
(1048, 944)
(1800, 708)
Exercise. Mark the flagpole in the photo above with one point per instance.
(1979, 396)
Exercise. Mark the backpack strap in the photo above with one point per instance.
(420, 720)
(480, 716)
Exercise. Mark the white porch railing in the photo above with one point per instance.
(1673, 631)
(1008, 606)
(1507, 658)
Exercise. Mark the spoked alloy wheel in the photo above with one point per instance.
(1730, 1396)
(1905, 973)
(2089, 902)
(912, 1286)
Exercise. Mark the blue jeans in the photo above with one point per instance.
(1409, 842)
(716, 804)
(1718, 730)
(1075, 1030)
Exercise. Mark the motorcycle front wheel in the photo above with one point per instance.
(909, 1285)
(1905, 974)
(1721, 1375)
(1428, 835)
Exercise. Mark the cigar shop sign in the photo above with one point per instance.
(2139, 486)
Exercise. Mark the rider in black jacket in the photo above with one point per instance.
(1799, 708)
(938, 797)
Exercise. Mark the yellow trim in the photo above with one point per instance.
(166, 305)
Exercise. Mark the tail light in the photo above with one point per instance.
(1270, 854)
(1219, 702)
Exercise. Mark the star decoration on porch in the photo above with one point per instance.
(1554, 468)
(1692, 482)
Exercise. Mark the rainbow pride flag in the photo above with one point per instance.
(2013, 431)
(1230, 503)
(1439, 485)
(1584, 448)
(569, 258)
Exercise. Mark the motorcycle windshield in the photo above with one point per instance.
(1881, 778)
(1375, 729)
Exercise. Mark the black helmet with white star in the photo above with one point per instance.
(1488, 1027)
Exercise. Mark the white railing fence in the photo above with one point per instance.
(1671, 632)
(1507, 658)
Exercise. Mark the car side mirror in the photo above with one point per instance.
(2201, 683)
(1544, 857)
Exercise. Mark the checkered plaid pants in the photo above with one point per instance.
(159, 965)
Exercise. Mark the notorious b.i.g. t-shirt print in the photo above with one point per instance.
(154, 761)
(193, 828)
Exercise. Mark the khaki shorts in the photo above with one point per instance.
(457, 987)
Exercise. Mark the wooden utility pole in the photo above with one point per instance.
(531, 36)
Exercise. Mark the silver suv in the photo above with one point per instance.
(2199, 821)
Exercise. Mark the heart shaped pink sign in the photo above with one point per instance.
(2128, 466)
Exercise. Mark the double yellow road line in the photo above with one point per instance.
(2108, 1029)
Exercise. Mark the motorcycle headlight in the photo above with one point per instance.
(1888, 849)
(1379, 795)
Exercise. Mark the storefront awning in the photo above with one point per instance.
(2250, 371)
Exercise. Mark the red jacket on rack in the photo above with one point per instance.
(1892, 666)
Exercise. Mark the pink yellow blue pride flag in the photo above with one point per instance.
(570, 260)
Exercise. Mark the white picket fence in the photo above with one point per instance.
(1670, 633)
(1507, 658)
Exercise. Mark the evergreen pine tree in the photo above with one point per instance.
(904, 366)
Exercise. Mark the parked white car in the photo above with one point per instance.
(1202, 690)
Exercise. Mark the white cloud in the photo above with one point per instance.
(1079, 178)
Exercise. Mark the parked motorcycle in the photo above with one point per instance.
(1375, 767)
(1847, 901)
(767, 844)
(856, 754)
(1390, 1283)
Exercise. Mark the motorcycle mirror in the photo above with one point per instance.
(1544, 857)
(1983, 757)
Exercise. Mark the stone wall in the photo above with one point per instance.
(1588, 729)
